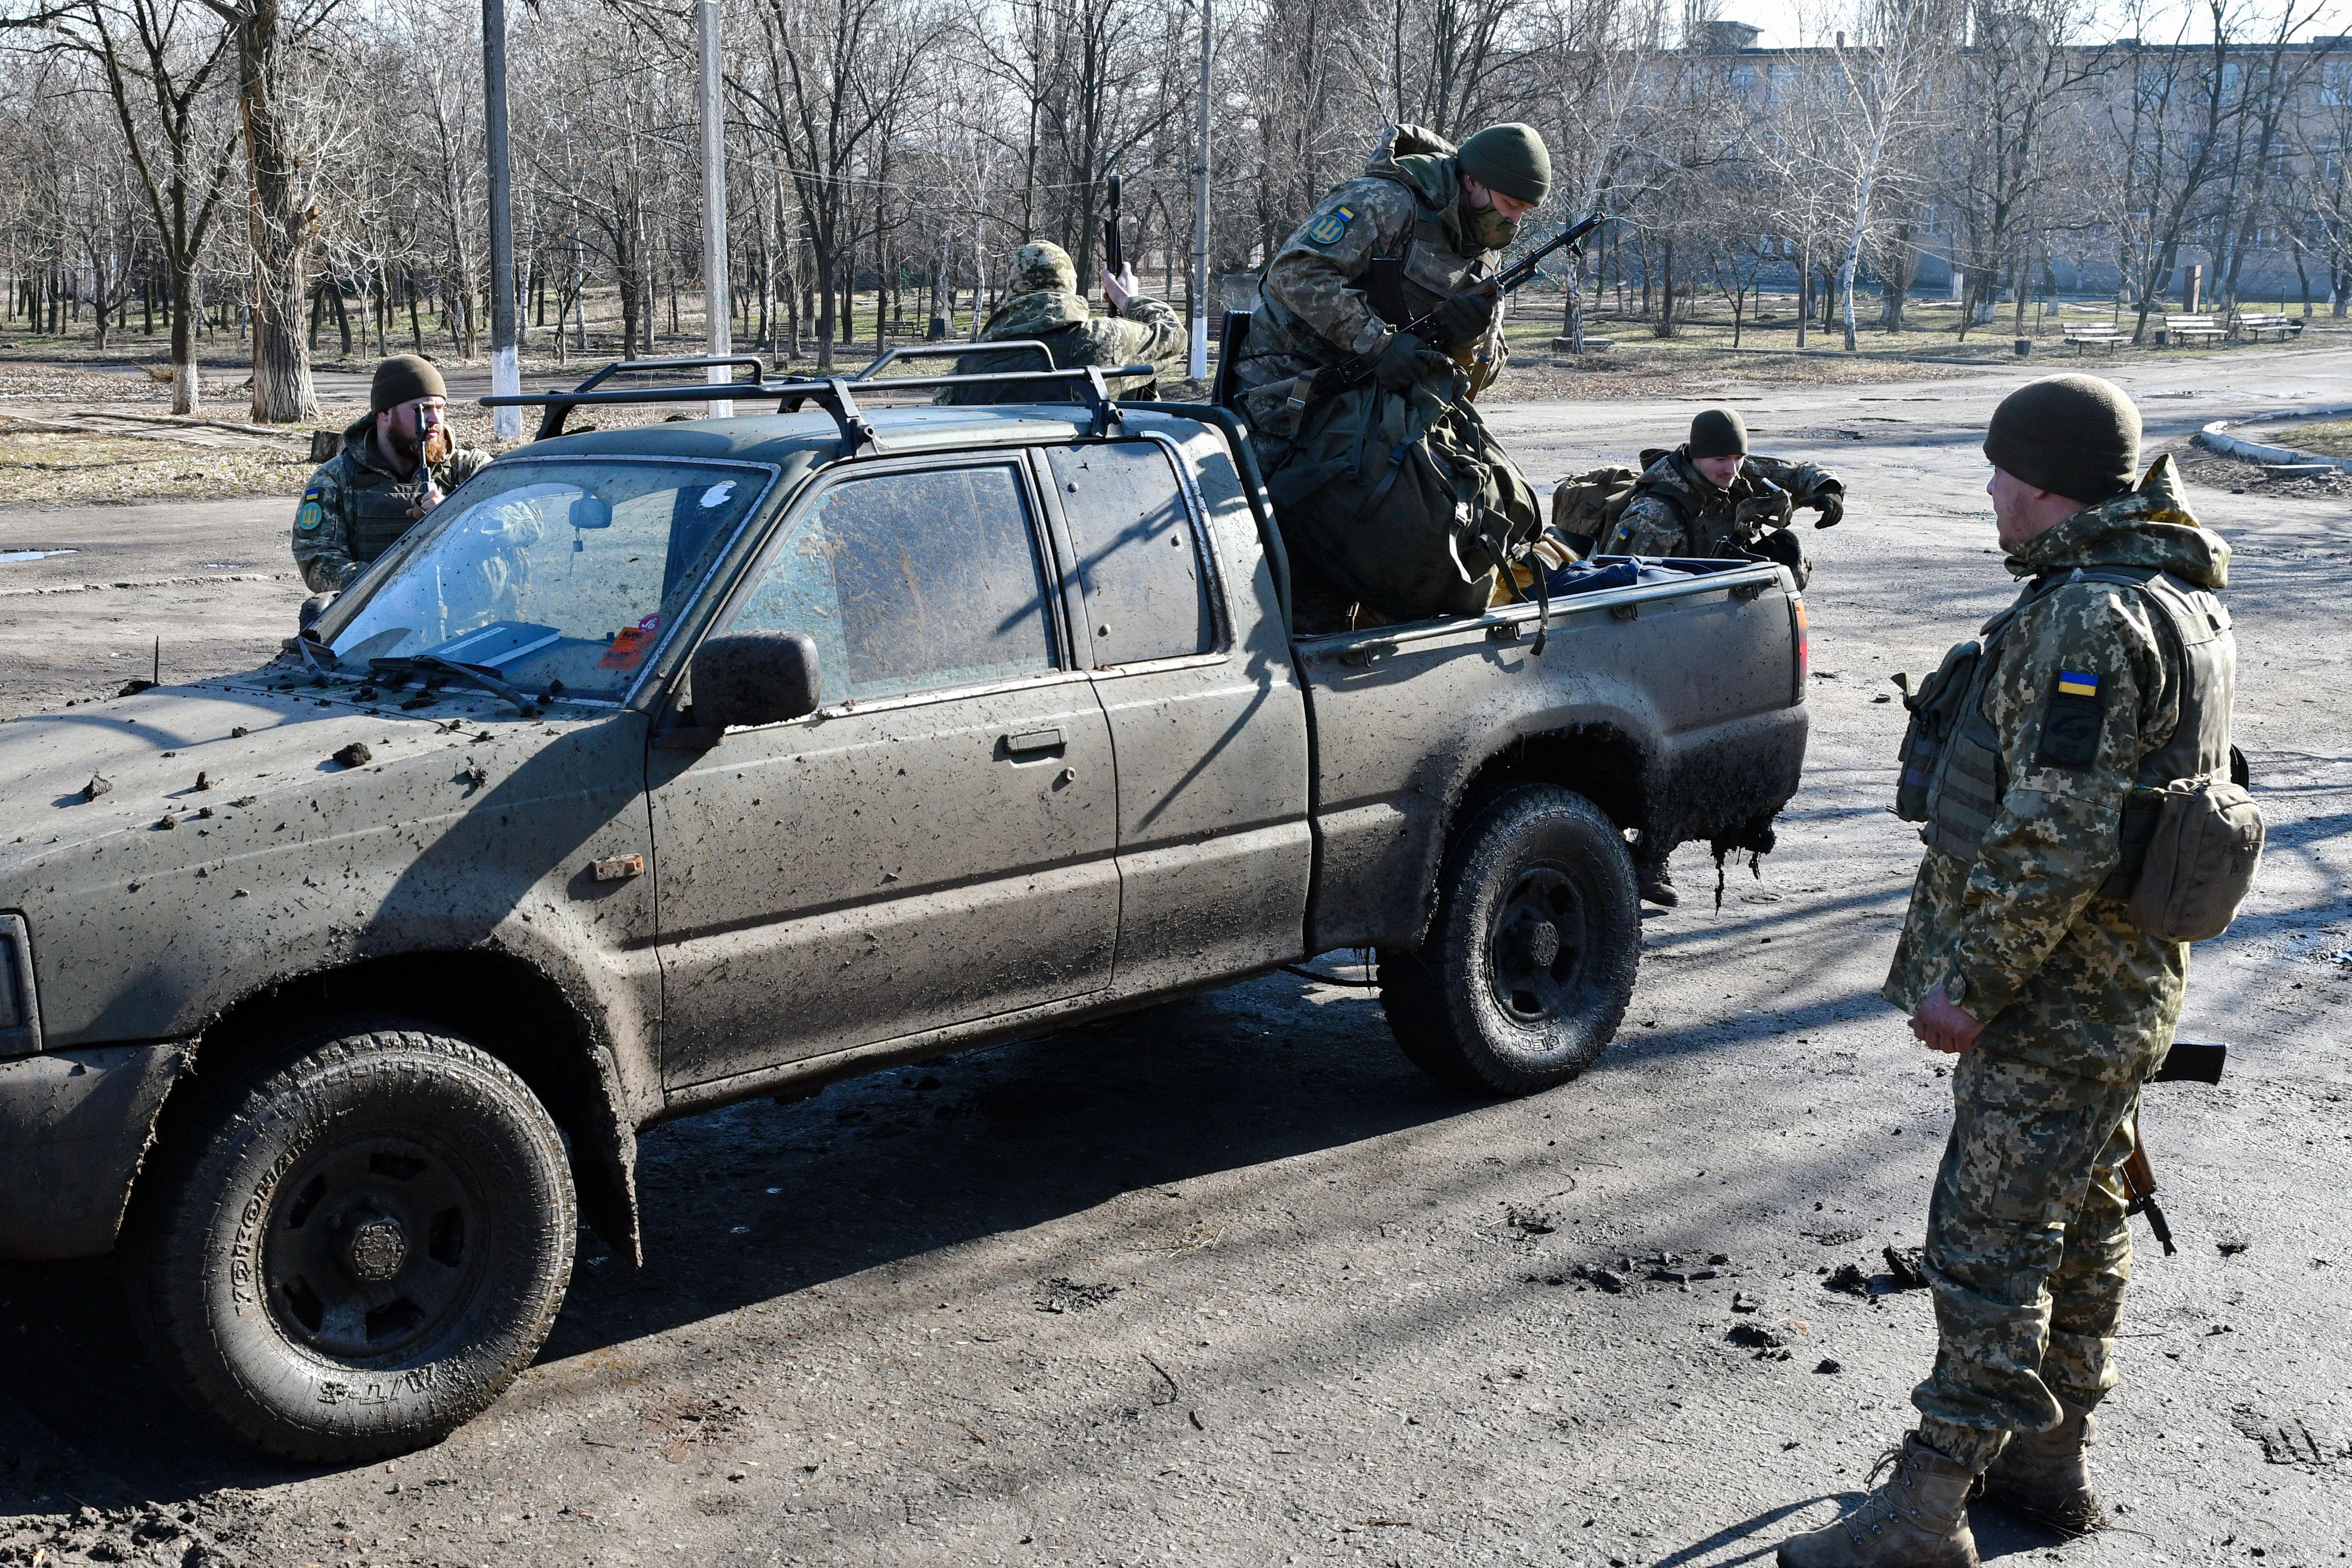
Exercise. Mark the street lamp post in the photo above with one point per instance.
(506, 365)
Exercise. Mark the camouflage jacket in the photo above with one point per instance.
(1677, 511)
(1315, 304)
(2018, 938)
(1144, 332)
(355, 508)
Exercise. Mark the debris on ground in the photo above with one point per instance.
(1849, 1279)
(1907, 1266)
(1601, 1279)
(99, 785)
(1766, 1344)
(355, 754)
(1070, 1296)
(1528, 1220)
(2231, 1247)
(1741, 1301)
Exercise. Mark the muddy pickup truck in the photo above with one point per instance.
(667, 766)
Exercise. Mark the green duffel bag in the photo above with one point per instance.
(1403, 503)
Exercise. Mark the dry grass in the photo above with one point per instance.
(2329, 438)
(41, 466)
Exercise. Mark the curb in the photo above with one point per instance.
(2216, 437)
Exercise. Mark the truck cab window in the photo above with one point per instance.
(1139, 557)
(911, 581)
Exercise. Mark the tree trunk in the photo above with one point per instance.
(1804, 289)
(279, 218)
(186, 393)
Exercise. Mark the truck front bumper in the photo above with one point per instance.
(73, 1126)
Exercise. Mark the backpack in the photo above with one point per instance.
(1403, 503)
(1585, 507)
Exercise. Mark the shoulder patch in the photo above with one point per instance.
(312, 516)
(1328, 229)
(2071, 724)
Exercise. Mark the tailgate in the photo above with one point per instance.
(1678, 707)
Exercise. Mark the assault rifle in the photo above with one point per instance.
(1114, 253)
(426, 431)
(2186, 1062)
(1355, 370)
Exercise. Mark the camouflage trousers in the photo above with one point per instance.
(2028, 1252)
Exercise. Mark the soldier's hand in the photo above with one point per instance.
(1831, 504)
(1118, 287)
(1757, 513)
(1407, 362)
(1943, 1025)
(1465, 318)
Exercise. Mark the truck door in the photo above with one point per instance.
(1208, 727)
(934, 846)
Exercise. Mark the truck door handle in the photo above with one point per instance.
(1036, 742)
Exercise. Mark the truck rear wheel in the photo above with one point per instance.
(360, 1251)
(1530, 957)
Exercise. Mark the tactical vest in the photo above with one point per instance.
(380, 508)
(1400, 289)
(1969, 778)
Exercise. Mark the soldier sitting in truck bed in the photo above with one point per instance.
(1711, 498)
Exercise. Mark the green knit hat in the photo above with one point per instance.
(1510, 159)
(2076, 436)
(404, 378)
(1718, 433)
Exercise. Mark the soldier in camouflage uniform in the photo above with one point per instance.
(1418, 235)
(359, 502)
(2113, 668)
(1042, 301)
(1710, 497)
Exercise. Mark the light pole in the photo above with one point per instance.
(718, 308)
(505, 367)
(1197, 367)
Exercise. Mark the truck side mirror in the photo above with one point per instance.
(313, 608)
(754, 677)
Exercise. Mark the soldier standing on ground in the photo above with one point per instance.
(1042, 301)
(1712, 497)
(2114, 667)
(360, 501)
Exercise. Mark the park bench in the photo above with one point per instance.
(2255, 322)
(2193, 330)
(2095, 335)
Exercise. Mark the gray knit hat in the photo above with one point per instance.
(1510, 158)
(2076, 436)
(404, 378)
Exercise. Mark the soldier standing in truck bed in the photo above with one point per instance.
(360, 501)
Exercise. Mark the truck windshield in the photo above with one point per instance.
(540, 572)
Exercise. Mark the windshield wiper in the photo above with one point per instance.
(452, 670)
(303, 646)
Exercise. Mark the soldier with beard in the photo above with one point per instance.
(359, 502)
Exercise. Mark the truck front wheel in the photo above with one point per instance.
(1530, 957)
(360, 1249)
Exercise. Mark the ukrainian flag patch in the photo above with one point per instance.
(2070, 684)
(1327, 229)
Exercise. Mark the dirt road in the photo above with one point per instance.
(1231, 1283)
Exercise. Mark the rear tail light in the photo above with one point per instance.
(1804, 645)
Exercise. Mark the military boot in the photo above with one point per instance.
(1657, 886)
(2042, 1474)
(1919, 1519)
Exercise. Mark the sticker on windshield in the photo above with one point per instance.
(717, 495)
(631, 644)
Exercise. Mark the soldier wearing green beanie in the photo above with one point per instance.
(1711, 498)
(1417, 235)
(2035, 758)
(360, 501)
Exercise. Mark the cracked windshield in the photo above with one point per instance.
(555, 577)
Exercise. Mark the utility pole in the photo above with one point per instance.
(1197, 367)
(718, 308)
(505, 367)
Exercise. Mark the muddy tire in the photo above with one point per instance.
(359, 1250)
(1530, 957)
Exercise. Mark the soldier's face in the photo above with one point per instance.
(399, 425)
(1719, 471)
(2023, 514)
(1509, 208)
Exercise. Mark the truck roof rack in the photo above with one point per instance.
(831, 393)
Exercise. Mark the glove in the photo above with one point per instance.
(1465, 318)
(1832, 504)
(1759, 512)
(1407, 362)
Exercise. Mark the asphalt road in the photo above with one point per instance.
(1228, 1282)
